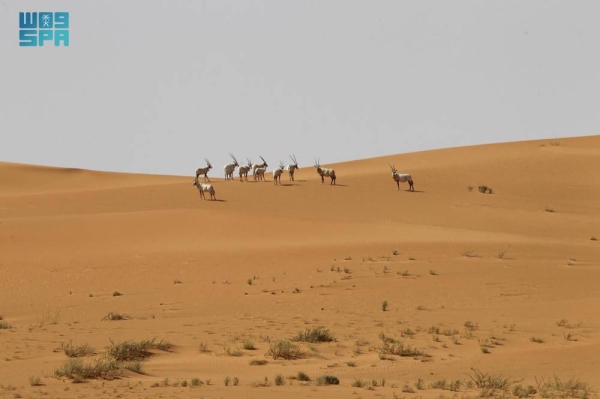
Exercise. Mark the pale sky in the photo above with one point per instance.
(155, 86)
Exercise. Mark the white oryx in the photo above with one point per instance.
(291, 168)
(230, 167)
(401, 178)
(325, 172)
(204, 171)
(259, 165)
(277, 173)
(259, 173)
(204, 188)
(243, 170)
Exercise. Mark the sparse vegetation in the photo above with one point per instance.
(327, 380)
(196, 382)
(279, 380)
(487, 381)
(592, 238)
(116, 293)
(203, 347)
(35, 381)
(398, 348)
(78, 371)
(536, 340)
(548, 209)
(433, 272)
(236, 352)
(249, 345)
(523, 392)
(257, 362)
(302, 376)
(113, 316)
(285, 349)
(396, 252)
(78, 350)
(249, 281)
(314, 334)
(570, 337)
(469, 188)
(351, 364)
(556, 388)
(384, 305)
(565, 323)
(131, 350)
(4, 325)
(177, 281)
(485, 189)
(469, 253)
(501, 253)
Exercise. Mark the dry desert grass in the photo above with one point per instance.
(131, 286)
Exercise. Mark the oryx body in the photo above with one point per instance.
(323, 172)
(205, 188)
(277, 173)
(291, 168)
(229, 168)
(402, 178)
(204, 171)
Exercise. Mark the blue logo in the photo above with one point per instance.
(38, 28)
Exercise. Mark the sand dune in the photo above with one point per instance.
(265, 262)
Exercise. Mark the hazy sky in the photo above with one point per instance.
(155, 86)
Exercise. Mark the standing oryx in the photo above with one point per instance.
(259, 173)
(259, 165)
(401, 178)
(325, 172)
(243, 170)
(277, 173)
(291, 168)
(204, 188)
(204, 171)
(230, 167)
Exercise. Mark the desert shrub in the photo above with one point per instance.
(327, 380)
(77, 370)
(78, 350)
(113, 316)
(485, 189)
(131, 350)
(399, 349)
(257, 362)
(285, 349)
(279, 380)
(488, 381)
(302, 376)
(315, 334)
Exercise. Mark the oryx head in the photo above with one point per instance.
(293, 158)
(394, 171)
(264, 164)
(281, 165)
(249, 162)
(195, 182)
(208, 164)
(235, 162)
(318, 166)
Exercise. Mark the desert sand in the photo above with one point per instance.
(506, 284)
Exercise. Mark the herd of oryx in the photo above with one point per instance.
(259, 169)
